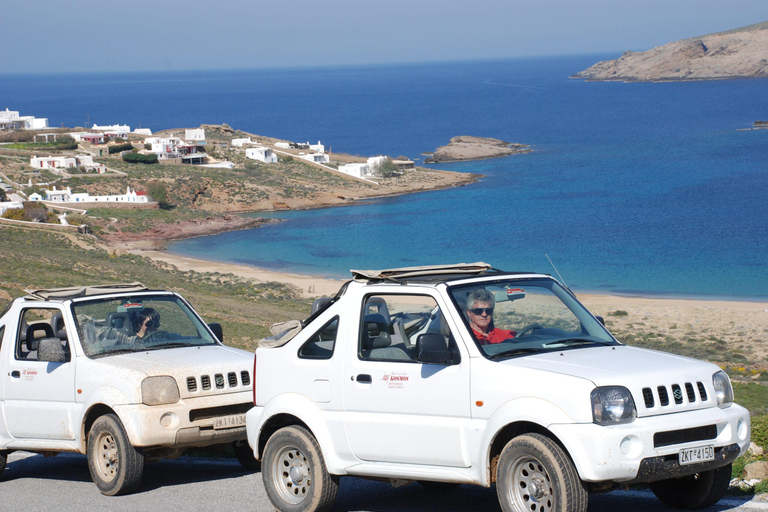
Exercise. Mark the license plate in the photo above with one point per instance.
(236, 420)
(697, 454)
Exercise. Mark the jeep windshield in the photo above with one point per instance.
(511, 318)
(138, 323)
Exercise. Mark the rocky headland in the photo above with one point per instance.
(466, 147)
(738, 53)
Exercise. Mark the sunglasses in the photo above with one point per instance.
(479, 311)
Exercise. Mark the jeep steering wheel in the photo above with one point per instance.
(528, 329)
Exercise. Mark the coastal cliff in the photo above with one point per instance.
(738, 53)
(466, 147)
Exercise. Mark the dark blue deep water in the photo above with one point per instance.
(632, 188)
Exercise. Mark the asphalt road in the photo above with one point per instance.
(34, 483)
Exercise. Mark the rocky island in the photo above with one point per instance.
(738, 53)
(466, 147)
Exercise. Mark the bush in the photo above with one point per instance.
(760, 431)
(618, 312)
(118, 148)
(138, 158)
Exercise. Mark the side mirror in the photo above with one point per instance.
(431, 348)
(51, 350)
(601, 320)
(216, 328)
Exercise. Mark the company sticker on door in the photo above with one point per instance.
(395, 380)
(29, 373)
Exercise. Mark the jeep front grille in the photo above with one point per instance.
(223, 410)
(675, 394)
(219, 381)
(688, 435)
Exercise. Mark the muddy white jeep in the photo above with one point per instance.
(120, 373)
(468, 375)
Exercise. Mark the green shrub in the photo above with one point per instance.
(119, 148)
(619, 312)
(138, 158)
(760, 431)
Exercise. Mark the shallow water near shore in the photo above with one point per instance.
(635, 188)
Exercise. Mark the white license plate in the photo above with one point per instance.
(697, 454)
(236, 420)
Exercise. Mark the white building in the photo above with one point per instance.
(174, 147)
(11, 120)
(239, 143)
(283, 145)
(360, 170)
(93, 138)
(317, 148)
(113, 130)
(142, 131)
(67, 196)
(64, 162)
(197, 135)
(318, 158)
(261, 154)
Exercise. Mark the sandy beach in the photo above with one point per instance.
(741, 325)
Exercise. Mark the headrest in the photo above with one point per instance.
(383, 340)
(37, 332)
(59, 330)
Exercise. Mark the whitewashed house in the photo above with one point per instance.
(11, 120)
(112, 131)
(196, 135)
(239, 143)
(318, 158)
(261, 154)
(142, 131)
(173, 147)
(283, 145)
(54, 163)
(362, 170)
(67, 196)
(9, 205)
(92, 138)
(317, 148)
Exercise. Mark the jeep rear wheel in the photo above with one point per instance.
(116, 466)
(294, 472)
(535, 474)
(696, 491)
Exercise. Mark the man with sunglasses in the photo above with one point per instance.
(480, 304)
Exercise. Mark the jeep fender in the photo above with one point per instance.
(104, 399)
(525, 410)
(316, 420)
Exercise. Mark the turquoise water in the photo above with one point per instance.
(632, 188)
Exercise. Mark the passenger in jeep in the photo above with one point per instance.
(480, 304)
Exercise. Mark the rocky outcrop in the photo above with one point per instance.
(467, 147)
(739, 53)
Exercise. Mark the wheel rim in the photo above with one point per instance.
(291, 475)
(531, 487)
(107, 456)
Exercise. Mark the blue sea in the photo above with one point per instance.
(637, 188)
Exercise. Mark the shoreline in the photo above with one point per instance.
(325, 285)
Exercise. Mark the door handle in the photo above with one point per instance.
(364, 378)
(15, 374)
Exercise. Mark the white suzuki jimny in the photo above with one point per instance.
(121, 373)
(468, 375)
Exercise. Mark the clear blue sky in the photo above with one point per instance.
(40, 36)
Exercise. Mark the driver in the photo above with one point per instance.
(149, 322)
(480, 304)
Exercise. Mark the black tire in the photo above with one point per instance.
(294, 472)
(116, 466)
(535, 474)
(244, 455)
(696, 491)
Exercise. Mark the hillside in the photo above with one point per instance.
(738, 53)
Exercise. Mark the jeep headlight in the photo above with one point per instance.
(723, 389)
(612, 405)
(159, 391)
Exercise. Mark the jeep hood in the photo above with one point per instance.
(182, 362)
(620, 365)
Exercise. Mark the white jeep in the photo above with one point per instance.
(468, 375)
(120, 373)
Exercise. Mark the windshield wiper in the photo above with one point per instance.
(574, 341)
(169, 344)
(514, 352)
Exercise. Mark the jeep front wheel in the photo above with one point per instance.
(116, 466)
(294, 472)
(696, 491)
(535, 474)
